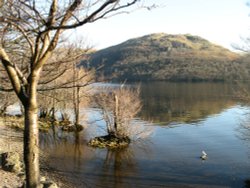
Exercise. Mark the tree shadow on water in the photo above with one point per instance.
(120, 167)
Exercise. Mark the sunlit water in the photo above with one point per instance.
(186, 119)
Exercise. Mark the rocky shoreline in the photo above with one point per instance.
(10, 144)
(10, 179)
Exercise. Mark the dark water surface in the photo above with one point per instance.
(186, 119)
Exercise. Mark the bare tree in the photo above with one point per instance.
(81, 90)
(119, 107)
(64, 84)
(75, 94)
(35, 27)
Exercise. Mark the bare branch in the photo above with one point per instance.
(13, 75)
(51, 79)
(94, 16)
(52, 13)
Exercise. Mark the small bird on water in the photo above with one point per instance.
(203, 155)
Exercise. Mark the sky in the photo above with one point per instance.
(222, 22)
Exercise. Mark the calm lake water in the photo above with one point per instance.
(185, 119)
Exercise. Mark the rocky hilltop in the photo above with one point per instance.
(167, 57)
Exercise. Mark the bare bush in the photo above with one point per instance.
(119, 107)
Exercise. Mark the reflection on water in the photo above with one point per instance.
(171, 159)
(87, 167)
(114, 168)
(185, 102)
(203, 116)
(244, 128)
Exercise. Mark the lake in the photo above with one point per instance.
(184, 119)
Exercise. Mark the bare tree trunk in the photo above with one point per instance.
(116, 115)
(76, 95)
(31, 146)
(31, 135)
(77, 112)
(21, 108)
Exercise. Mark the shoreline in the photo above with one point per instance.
(11, 141)
(10, 179)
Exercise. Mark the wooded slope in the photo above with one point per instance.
(168, 57)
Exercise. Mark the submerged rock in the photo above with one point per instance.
(109, 141)
(44, 183)
(50, 185)
(11, 162)
(47, 183)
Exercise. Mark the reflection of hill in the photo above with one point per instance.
(185, 102)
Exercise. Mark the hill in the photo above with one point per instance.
(167, 57)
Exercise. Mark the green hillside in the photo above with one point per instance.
(167, 57)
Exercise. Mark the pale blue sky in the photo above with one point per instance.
(221, 21)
